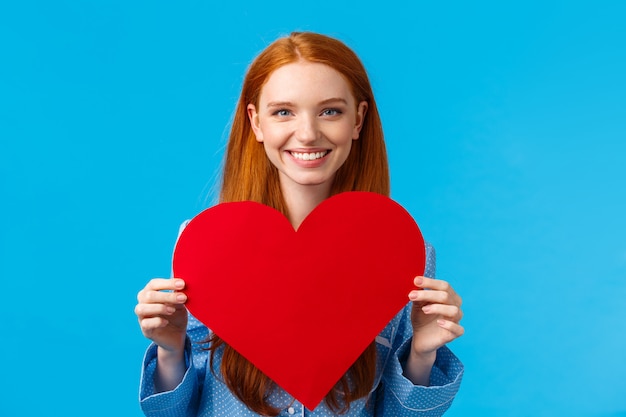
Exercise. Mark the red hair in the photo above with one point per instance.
(249, 175)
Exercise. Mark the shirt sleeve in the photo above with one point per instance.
(183, 400)
(180, 402)
(398, 396)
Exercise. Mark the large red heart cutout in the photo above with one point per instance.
(300, 305)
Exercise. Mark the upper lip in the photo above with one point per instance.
(308, 150)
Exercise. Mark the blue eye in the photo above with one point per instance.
(282, 112)
(331, 112)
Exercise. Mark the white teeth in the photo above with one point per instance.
(309, 156)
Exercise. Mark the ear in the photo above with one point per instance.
(253, 116)
(361, 110)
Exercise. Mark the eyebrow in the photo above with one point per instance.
(323, 102)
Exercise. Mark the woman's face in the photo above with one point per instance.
(307, 119)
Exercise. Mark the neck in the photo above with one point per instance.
(302, 200)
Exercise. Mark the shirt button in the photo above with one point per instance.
(291, 410)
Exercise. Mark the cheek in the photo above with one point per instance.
(272, 149)
(344, 135)
(274, 134)
(343, 146)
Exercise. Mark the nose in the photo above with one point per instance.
(307, 130)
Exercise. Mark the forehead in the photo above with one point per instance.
(310, 80)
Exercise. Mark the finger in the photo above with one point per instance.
(163, 284)
(455, 328)
(441, 285)
(161, 297)
(432, 296)
(449, 312)
(432, 284)
(151, 310)
(152, 323)
(438, 285)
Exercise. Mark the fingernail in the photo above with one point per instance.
(418, 281)
(171, 310)
(179, 284)
(181, 297)
(413, 295)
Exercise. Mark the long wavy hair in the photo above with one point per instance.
(249, 175)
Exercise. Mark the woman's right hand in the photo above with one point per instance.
(162, 315)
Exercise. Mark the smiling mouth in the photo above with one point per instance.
(309, 156)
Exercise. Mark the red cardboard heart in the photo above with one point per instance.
(300, 305)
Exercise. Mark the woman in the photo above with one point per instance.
(306, 127)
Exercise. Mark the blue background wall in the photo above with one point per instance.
(506, 127)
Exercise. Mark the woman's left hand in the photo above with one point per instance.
(435, 316)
